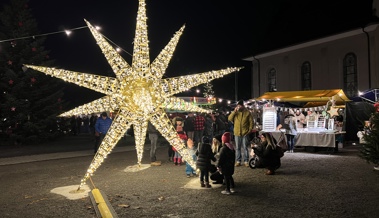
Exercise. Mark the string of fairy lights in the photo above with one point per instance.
(118, 48)
(68, 32)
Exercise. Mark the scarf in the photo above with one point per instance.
(230, 146)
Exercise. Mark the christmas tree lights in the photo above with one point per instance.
(138, 94)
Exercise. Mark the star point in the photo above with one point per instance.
(138, 94)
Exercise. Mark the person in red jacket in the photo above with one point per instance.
(199, 128)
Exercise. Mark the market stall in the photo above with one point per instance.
(319, 131)
(319, 139)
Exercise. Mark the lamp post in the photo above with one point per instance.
(236, 86)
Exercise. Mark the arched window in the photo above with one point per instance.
(350, 85)
(306, 80)
(271, 80)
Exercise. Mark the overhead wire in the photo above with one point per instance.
(63, 31)
(72, 29)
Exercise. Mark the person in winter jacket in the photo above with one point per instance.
(226, 163)
(216, 148)
(267, 153)
(243, 125)
(204, 157)
(102, 125)
(153, 136)
(199, 129)
(189, 126)
(191, 150)
(221, 123)
(290, 126)
(177, 156)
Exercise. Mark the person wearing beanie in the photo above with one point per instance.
(376, 106)
(204, 156)
(216, 144)
(243, 123)
(226, 138)
(226, 163)
(215, 176)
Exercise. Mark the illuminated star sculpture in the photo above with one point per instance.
(138, 94)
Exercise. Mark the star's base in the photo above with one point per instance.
(195, 184)
(156, 163)
(71, 192)
(136, 168)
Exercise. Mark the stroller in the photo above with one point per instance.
(256, 160)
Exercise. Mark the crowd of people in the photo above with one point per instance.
(212, 138)
(217, 142)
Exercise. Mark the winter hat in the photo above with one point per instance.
(218, 137)
(226, 137)
(206, 140)
(376, 106)
(240, 102)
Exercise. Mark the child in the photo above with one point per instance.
(226, 163)
(178, 125)
(191, 150)
(204, 156)
(177, 156)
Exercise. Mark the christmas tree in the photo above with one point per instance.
(209, 95)
(29, 101)
(208, 90)
(370, 149)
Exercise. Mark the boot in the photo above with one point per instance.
(175, 160)
(207, 185)
(179, 160)
(202, 184)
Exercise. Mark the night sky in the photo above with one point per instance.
(218, 34)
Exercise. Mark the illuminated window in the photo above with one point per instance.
(306, 80)
(350, 85)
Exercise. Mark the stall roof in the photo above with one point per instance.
(307, 96)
